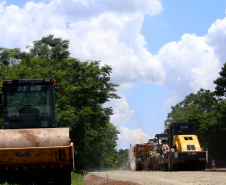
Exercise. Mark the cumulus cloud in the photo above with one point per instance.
(110, 36)
(20, 26)
(193, 62)
(216, 37)
(119, 44)
(127, 137)
(190, 64)
(122, 111)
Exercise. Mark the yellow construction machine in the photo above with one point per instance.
(185, 151)
(32, 149)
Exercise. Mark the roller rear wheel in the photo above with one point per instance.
(64, 176)
(139, 164)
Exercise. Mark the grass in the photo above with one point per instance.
(76, 178)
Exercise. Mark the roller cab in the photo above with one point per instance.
(185, 151)
(31, 147)
(28, 104)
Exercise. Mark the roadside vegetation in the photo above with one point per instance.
(76, 179)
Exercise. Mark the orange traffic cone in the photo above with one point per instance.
(213, 165)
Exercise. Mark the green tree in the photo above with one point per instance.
(220, 82)
(122, 159)
(50, 48)
(193, 108)
(9, 57)
(82, 89)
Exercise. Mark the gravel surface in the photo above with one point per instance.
(96, 180)
(163, 178)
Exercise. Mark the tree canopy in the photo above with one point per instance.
(220, 82)
(82, 89)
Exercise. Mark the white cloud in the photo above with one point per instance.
(20, 26)
(119, 44)
(127, 137)
(216, 37)
(190, 64)
(110, 36)
(122, 111)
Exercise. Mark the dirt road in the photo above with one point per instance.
(162, 178)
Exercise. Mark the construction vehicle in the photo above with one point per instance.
(185, 151)
(141, 154)
(179, 149)
(157, 158)
(32, 149)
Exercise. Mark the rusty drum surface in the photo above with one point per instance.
(38, 137)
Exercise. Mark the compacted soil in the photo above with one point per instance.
(155, 178)
(91, 179)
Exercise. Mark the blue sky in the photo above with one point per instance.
(160, 50)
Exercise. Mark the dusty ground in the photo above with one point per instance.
(96, 180)
(155, 177)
